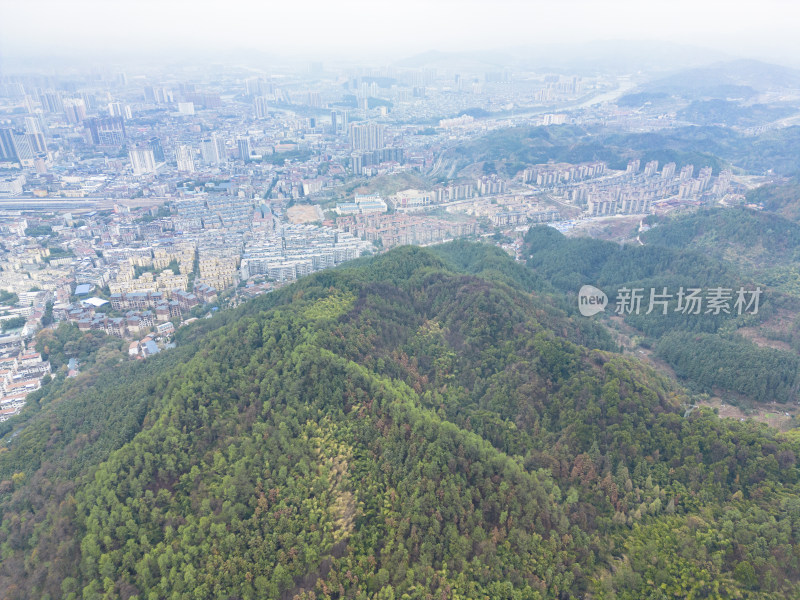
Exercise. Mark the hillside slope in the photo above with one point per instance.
(412, 426)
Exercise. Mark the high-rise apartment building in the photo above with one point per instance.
(261, 107)
(243, 144)
(8, 148)
(157, 95)
(255, 86)
(16, 146)
(51, 102)
(366, 136)
(118, 109)
(142, 161)
(213, 150)
(158, 151)
(108, 131)
(74, 110)
(185, 158)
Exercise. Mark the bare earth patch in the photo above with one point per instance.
(778, 416)
(781, 321)
(304, 213)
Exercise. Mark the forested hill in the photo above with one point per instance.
(748, 237)
(417, 425)
(709, 352)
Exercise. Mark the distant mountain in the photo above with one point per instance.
(717, 111)
(615, 57)
(733, 79)
(474, 61)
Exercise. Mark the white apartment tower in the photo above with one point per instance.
(142, 161)
(185, 159)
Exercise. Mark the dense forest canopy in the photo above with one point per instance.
(424, 424)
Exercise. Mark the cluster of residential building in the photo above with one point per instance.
(21, 372)
(508, 210)
(398, 229)
(557, 173)
(604, 192)
(635, 192)
(292, 251)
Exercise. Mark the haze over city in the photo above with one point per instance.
(375, 31)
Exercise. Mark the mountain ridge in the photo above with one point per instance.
(397, 427)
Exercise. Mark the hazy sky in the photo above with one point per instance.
(767, 28)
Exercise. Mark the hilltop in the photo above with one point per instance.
(423, 424)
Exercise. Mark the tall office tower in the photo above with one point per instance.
(260, 104)
(185, 159)
(366, 136)
(243, 143)
(154, 144)
(149, 94)
(142, 161)
(109, 131)
(333, 122)
(75, 110)
(51, 102)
